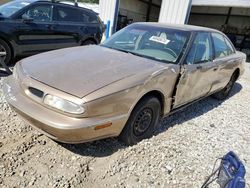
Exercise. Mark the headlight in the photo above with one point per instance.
(17, 71)
(14, 73)
(63, 105)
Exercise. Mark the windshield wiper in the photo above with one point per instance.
(163, 60)
(136, 54)
(133, 53)
(122, 50)
(150, 57)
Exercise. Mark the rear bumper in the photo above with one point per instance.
(58, 126)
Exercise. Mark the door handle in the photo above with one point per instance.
(231, 61)
(50, 26)
(199, 67)
(215, 68)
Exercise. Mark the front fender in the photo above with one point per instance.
(121, 97)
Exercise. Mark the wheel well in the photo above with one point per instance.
(158, 95)
(89, 39)
(236, 73)
(7, 42)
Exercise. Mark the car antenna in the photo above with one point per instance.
(76, 3)
(58, 1)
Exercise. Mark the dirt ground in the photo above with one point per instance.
(181, 154)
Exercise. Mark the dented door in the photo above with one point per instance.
(195, 82)
(198, 71)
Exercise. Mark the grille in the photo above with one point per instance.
(36, 92)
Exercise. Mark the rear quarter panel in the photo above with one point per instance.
(227, 66)
(242, 63)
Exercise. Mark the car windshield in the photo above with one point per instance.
(153, 42)
(12, 7)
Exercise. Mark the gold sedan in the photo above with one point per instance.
(124, 86)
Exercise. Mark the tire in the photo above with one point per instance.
(88, 42)
(223, 94)
(5, 49)
(142, 121)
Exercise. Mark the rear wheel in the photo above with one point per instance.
(5, 52)
(223, 94)
(88, 42)
(142, 121)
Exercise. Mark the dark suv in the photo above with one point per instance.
(29, 27)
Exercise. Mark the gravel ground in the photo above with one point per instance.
(181, 154)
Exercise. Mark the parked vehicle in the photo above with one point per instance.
(123, 87)
(28, 27)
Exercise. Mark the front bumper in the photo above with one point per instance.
(58, 126)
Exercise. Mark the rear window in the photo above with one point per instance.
(201, 50)
(222, 48)
(68, 14)
(88, 17)
(229, 45)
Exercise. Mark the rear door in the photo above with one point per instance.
(226, 59)
(75, 25)
(67, 26)
(199, 70)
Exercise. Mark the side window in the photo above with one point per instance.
(66, 14)
(41, 13)
(87, 17)
(201, 50)
(229, 46)
(222, 47)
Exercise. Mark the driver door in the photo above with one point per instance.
(34, 32)
(199, 71)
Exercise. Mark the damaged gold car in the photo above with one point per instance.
(125, 85)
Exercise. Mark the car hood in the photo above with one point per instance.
(80, 71)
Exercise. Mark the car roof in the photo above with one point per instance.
(65, 3)
(28, 1)
(183, 27)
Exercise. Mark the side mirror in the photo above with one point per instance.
(27, 19)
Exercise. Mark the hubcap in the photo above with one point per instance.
(143, 121)
(3, 52)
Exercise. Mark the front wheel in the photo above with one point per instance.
(142, 121)
(223, 94)
(88, 42)
(5, 52)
